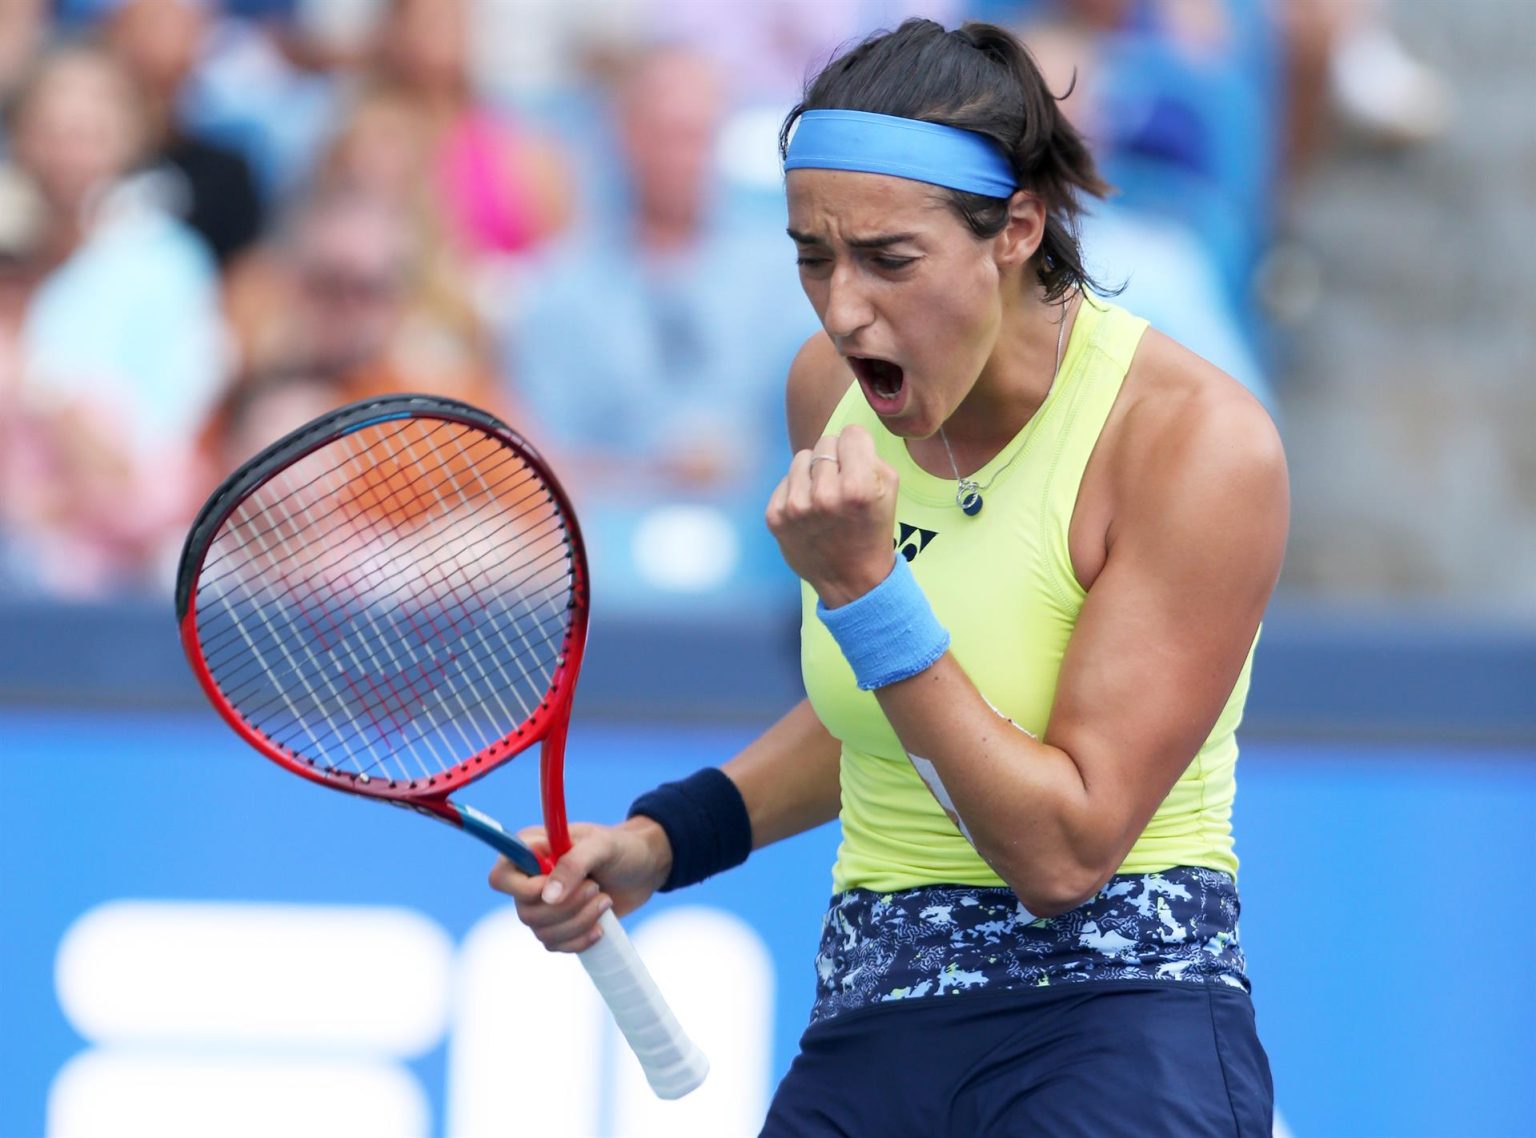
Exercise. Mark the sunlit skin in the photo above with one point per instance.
(893, 272)
(1177, 537)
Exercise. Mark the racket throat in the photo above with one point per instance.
(552, 786)
(484, 827)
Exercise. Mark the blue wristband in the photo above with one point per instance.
(888, 634)
(706, 823)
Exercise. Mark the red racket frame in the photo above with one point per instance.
(551, 719)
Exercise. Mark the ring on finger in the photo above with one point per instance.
(815, 458)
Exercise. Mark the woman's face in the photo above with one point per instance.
(78, 129)
(427, 41)
(910, 297)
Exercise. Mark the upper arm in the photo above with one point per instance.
(817, 379)
(788, 776)
(1193, 551)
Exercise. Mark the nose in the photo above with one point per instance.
(848, 309)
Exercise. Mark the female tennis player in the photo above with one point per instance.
(1036, 539)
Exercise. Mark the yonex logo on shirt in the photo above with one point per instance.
(911, 540)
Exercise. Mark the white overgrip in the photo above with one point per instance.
(672, 1062)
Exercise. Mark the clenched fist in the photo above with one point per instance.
(833, 515)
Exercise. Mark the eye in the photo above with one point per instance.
(891, 264)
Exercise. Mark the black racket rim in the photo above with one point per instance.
(333, 425)
(271, 461)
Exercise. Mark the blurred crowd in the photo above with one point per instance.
(219, 219)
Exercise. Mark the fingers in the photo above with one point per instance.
(839, 469)
(507, 878)
(576, 865)
(792, 494)
(808, 469)
(861, 468)
(855, 449)
(824, 453)
(561, 907)
(814, 477)
(571, 925)
(833, 515)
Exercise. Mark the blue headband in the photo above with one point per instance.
(906, 148)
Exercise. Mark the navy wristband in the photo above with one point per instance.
(888, 634)
(706, 823)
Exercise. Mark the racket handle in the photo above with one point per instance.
(673, 1063)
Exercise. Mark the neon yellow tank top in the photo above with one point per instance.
(1009, 631)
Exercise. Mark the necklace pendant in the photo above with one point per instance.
(968, 497)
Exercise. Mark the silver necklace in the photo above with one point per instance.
(968, 490)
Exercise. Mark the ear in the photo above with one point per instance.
(1025, 229)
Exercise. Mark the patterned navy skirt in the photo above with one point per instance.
(1179, 925)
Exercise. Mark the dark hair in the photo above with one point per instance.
(978, 77)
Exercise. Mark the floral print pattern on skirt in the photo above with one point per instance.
(1179, 925)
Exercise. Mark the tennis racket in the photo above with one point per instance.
(392, 601)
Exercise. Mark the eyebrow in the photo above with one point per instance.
(881, 242)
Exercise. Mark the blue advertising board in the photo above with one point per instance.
(192, 942)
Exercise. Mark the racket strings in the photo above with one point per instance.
(468, 707)
(550, 626)
(385, 690)
(300, 583)
(394, 672)
(319, 483)
(400, 671)
(291, 579)
(520, 586)
(428, 624)
(247, 520)
(290, 565)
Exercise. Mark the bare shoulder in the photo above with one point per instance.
(817, 380)
(1195, 460)
(1183, 416)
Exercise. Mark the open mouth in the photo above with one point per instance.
(881, 377)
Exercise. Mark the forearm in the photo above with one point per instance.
(788, 777)
(1026, 804)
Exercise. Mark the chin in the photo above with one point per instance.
(909, 424)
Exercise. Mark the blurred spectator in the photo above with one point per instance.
(1167, 271)
(501, 188)
(257, 90)
(541, 53)
(262, 409)
(1191, 133)
(654, 349)
(120, 348)
(384, 150)
(383, 146)
(208, 185)
(1165, 275)
(1346, 66)
(764, 51)
(346, 295)
(652, 354)
(254, 86)
(23, 24)
(766, 48)
(21, 231)
(22, 221)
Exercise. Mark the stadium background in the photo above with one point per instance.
(177, 919)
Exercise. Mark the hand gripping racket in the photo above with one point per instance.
(392, 601)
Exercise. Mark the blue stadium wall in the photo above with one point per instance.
(193, 943)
